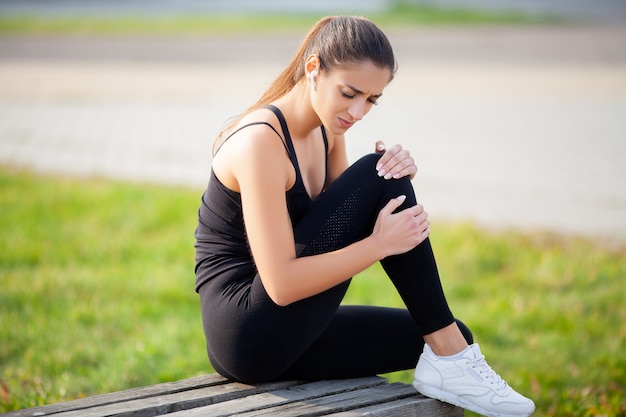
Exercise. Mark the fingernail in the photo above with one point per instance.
(401, 198)
(388, 176)
(396, 176)
(381, 172)
(378, 167)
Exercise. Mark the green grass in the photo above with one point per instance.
(399, 14)
(97, 295)
(97, 288)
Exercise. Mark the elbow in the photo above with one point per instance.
(280, 298)
(280, 287)
(280, 295)
(281, 303)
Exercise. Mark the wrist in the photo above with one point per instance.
(378, 247)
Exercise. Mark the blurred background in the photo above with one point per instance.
(515, 112)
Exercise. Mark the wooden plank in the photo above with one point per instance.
(165, 404)
(337, 403)
(302, 392)
(415, 406)
(213, 395)
(126, 395)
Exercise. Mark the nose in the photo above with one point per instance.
(357, 110)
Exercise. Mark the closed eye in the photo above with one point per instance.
(372, 100)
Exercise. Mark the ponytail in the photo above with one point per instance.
(294, 71)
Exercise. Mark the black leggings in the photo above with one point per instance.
(251, 339)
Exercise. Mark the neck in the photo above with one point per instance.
(298, 111)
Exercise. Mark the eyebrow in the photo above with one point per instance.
(356, 90)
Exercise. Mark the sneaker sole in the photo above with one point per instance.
(448, 397)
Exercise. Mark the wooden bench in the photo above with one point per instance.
(214, 395)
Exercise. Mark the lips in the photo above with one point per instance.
(345, 124)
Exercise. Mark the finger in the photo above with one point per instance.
(393, 204)
(415, 211)
(389, 159)
(424, 224)
(380, 146)
(396, 154)
(398, 165)
(409, 171)
(384, 159)
(421, 225)
(422, 220)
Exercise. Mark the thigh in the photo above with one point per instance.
(361, 341)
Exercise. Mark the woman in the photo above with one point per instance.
(286, 221)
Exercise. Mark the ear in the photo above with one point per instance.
(312, 63)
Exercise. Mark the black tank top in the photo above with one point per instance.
(222, 248)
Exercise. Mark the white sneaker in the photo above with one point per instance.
(470, 383)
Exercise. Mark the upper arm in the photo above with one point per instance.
(263, 176)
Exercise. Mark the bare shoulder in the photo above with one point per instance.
(253, 146)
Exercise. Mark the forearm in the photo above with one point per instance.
(310, 275)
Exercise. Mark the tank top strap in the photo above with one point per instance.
(289, 143)
(325, 138)
(291, 151)
(254, 124)
(325, 151)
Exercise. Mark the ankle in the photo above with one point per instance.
(453, 357)
(446, 350)
(447, 341)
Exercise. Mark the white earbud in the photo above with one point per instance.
(313, 75)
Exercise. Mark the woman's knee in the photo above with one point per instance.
(368, 163)
(366, 167)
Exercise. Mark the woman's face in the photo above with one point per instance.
(344, 95)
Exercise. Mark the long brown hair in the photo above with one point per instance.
(337, 41)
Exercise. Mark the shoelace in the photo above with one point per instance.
(483, 368)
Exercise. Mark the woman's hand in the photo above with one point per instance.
(396, 162)
(402, 231)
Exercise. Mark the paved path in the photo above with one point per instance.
(511, 127)
(597, 10)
